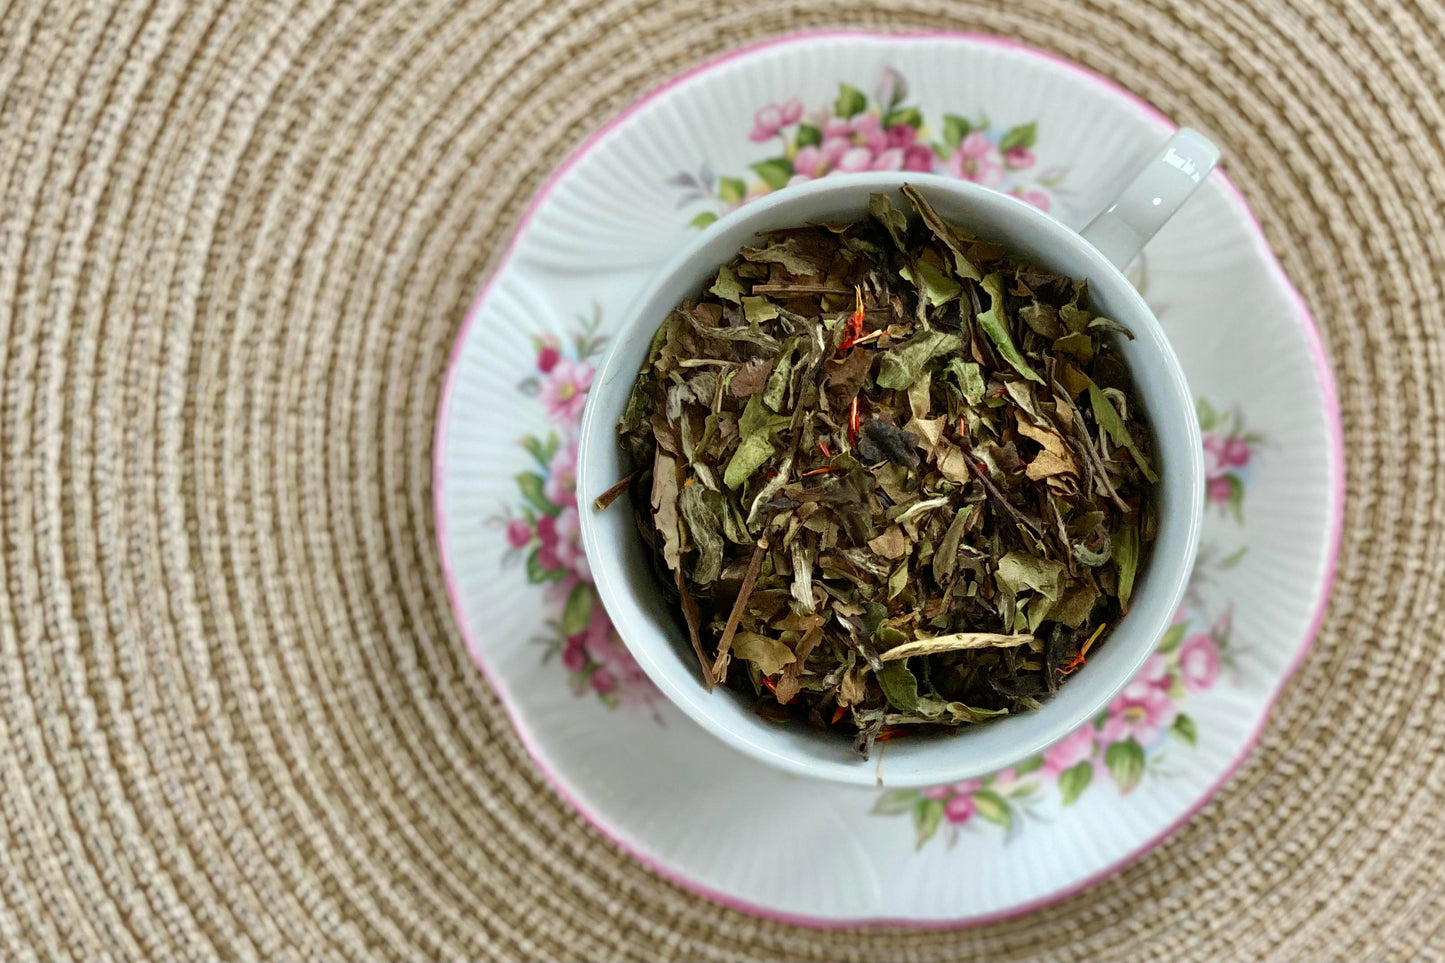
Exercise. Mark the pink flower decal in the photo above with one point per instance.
(1018, 158)
(1199, 662)
(857, 132)
(977, 159)
(960, 809)
(564, 391)
(1235, 453)
(1071, 751)
(1220, 490)
(519, 533)
(769, 121)
(919, 158)
(1142, 712)
(561, 487)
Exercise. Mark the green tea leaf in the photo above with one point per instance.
(703, 219)
(1126, 764)
(1074, 780)
(1024, 135)
(899, 686)
(534, 490)
(1108, 419)
(932, 283)
(995, 325)
(850, 101)
(1185, 729)
(727, 286)
(1126, 561)
(775, 172)
(753, 452)
(767, 653)
(759, 309)
(991, 806)
(578, 610)
(894, 221)
(898, 581)
(1078, 346)
(970, 379)
(1019, 571)
(899, 367)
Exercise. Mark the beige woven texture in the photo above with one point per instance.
(236, 717)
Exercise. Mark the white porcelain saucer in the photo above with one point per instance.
(713, 820)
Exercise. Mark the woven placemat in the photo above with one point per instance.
(237, 238)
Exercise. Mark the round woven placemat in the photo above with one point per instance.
(237, 238)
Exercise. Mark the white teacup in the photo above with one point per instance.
(654, 633)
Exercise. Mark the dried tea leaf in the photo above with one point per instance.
(1055, 459)
(899, 367)
(1110, 421)
(751, 378)
(1020, 571)
(892, 544)
(956, 642)
(932, 283)
(767, 653)
(995, 324)
(757, 310)
(984, 545)
(727, 286)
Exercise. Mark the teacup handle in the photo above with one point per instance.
(1152, 197)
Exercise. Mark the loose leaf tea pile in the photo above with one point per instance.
(891, 475)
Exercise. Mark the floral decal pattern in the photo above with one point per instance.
(882, 132)
(1228, 452)
(1130, 739)
(542, 532)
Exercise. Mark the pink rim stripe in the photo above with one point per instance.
(1313, 338)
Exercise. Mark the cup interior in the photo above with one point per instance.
(654, 633)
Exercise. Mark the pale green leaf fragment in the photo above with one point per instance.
(753, 452)
(970, 379)
(727, 286)
(1126, 561)
(898, 581)
(1018, 571)
(1108, 419)
(899, 367)
(943, 230)
(892, 219)
(995, 325)
(759, 309)
(932, 283)
(776, 389)
(899, 686)
(765, 652)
